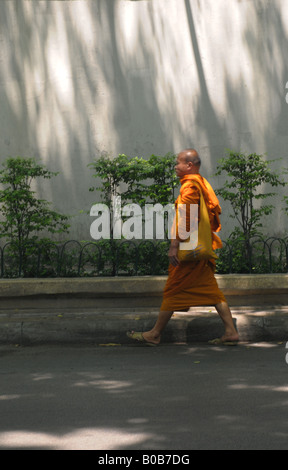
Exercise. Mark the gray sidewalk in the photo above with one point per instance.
(99, 326)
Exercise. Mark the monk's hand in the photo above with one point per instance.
(173, 255)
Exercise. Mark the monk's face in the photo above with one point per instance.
(182, 167)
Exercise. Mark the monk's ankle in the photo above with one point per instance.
(151, 336)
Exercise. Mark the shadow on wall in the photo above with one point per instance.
(79, 79)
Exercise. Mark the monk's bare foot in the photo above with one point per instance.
(151, 338)
(230, 335)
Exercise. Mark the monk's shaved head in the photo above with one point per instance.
(188, 163)
(191, 155)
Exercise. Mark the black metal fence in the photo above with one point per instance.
(259, 256)
(132, 258)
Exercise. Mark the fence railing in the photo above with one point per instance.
(260, 256)
(132, 258)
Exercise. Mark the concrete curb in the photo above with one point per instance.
(109, 327)
(101, 310)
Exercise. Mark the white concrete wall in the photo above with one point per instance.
(85, 77)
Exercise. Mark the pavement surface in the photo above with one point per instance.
(132, 397)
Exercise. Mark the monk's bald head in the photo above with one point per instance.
(191, 155)
(188, 162)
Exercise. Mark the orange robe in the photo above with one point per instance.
(193, 283)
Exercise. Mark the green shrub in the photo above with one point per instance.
(24, 217)
(245, 175)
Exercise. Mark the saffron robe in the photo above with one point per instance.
(192, 283)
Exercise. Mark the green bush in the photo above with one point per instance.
(135, 179)
(24, 216)
(245, 175)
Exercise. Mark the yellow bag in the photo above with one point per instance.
(204, 250)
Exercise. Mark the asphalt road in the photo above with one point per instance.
(174, 397)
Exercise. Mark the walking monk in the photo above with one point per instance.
(192, 283)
